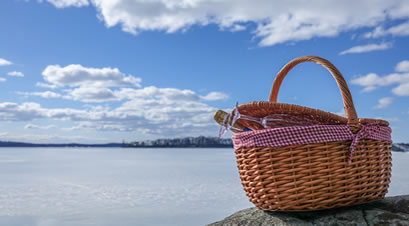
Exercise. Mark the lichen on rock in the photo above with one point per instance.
(389, 211)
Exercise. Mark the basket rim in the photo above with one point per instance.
(265, 108)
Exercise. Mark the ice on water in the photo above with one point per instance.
(83, 186)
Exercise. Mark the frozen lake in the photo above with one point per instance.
(113, 186)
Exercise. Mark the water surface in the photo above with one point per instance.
(114, 186)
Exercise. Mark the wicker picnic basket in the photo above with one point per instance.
(311, 175)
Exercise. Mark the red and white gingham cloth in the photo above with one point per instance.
(296, 135)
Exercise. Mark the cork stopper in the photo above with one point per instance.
(219, 117)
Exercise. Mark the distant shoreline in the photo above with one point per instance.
(198, 142)
(187, 142)
(11, 144)
(104, 146)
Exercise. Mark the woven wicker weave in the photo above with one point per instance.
(313, 176)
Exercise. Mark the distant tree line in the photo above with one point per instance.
(400, 147)
(74, 145)
(205, 142)
(202, 141)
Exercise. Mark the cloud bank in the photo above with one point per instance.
(46, 94)
(33, 126)
(146, 110)
(398, 30)
(77, 75)
(373, 81)
(275, 21)
(87, 84)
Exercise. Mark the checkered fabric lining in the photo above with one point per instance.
(296, 135)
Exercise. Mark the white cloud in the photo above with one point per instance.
(77, 75)
(165, 94)
(46, 94)
(4, 62)
(99, 127)
(149, 110)
(28, 111)
(67, 3)
(166, 112)
(20, 112)
(87, 84)
(215, 96)
(94, 85)
(162, 114)
(45, 85)
(168, 95)
(399, 30)
(16, 74)
(45, 138)
(32, 126)
(402, 90)
(366, 48)
(2, 79)
(402, 66)
(368, 89)
(238, 27)
(276, 22)
(377, 32)
(383, 103)
(91, 94)
(372, 81)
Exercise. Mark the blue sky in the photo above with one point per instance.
(103, 71)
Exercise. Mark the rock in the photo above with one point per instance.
(389, 211)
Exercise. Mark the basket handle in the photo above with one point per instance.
(349, 107)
